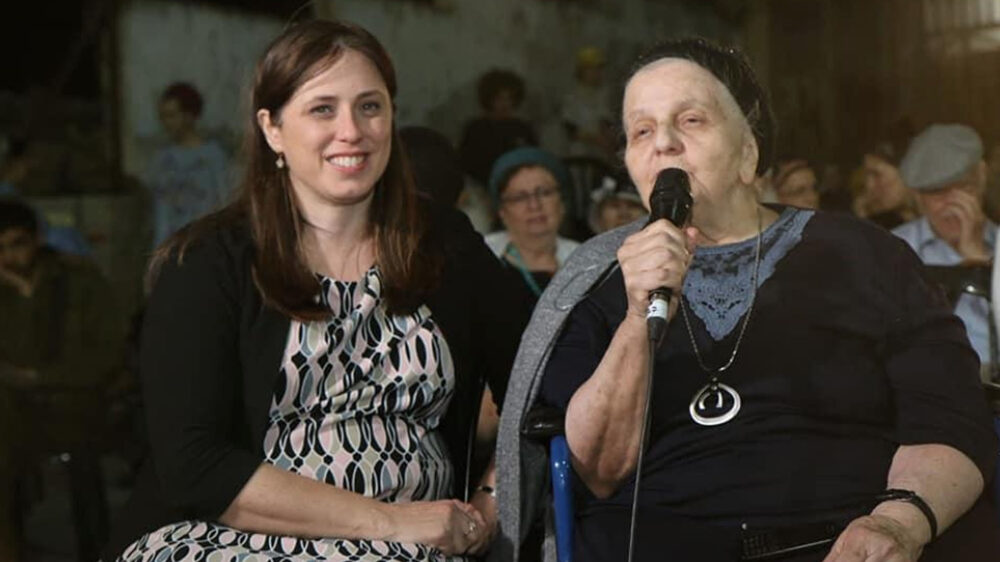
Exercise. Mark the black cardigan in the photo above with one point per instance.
(211, 353)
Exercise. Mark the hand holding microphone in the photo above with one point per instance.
(654, 260)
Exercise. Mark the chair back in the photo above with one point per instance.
(975, 280)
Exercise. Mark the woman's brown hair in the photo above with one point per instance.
(266, 203)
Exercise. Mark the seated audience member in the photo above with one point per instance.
(498, 129)
(885, 200)
(60, 335)
(18, 164)
(944, 167)
(527, 186)
(313, 355)
(586, 108)
(434, 162)
(812, 387)
(614, 204)
(190, 177)
(438, 174)
(795, 184)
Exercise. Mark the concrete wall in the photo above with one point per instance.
(440, 52)
(163, 42)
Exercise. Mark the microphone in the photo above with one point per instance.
(671, 200)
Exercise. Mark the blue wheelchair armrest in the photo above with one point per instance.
(562, 496)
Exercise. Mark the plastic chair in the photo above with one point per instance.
(958, 280)
(545, 424)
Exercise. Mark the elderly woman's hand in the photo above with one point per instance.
(450, 526)
(656, 256)
(877, 538)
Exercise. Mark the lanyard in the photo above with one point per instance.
(511, 251)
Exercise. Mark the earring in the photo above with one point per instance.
(280, 162)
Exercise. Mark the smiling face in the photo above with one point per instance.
(335, 133)
(677, 114)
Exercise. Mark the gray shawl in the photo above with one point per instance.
(522, 465)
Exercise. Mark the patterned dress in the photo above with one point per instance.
(356, 406)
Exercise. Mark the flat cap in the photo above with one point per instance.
(940, 155)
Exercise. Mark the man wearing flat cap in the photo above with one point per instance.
(944, 167)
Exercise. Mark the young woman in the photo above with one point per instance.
(313, 355)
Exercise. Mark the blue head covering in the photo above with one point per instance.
(519, 158)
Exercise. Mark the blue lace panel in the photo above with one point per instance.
(717, 287)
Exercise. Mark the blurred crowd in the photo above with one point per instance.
(64, 338)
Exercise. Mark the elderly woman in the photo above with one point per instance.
(313, 355)
(813, 391)
(527, 185)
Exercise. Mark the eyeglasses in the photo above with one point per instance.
(522, 199)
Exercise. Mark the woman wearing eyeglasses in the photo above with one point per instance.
(526, 184)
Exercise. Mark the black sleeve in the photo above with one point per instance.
(933, 370)
(577, 352)
(190, 370)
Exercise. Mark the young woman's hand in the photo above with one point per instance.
(450, 526)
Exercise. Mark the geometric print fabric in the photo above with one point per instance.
(356, 405)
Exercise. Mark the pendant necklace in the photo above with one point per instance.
(716, 403)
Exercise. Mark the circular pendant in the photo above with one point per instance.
(714, 404)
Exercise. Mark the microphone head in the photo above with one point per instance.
(671, 196)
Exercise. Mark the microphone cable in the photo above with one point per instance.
(655, 337)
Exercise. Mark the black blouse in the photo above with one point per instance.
(850, 352)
